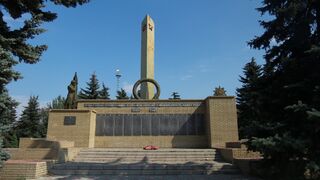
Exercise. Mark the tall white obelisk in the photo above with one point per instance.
(147, 57)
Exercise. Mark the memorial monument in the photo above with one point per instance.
(146, 120)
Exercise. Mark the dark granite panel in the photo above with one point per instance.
(146, 124)
(155, 125)
(127, 123)
(109, 125)
(136, 125)
(118, 122)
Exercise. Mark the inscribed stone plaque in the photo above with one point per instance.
(155, 125)
(191, 125)
(136, 125)
(146, 124)
(127, 120)
(201, 125)
(109, 125)
(69, 120)
(164, 125)
(183, 124)
(118, 125)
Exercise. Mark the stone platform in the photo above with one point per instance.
(144, 162)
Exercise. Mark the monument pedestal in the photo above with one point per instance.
(137, 123)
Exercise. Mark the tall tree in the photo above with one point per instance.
(104, 93)
(92, 90)
(29, 124)
(122, 94)
(7, 118)
(247, 96)
(288, 127)
(15, 46)
(57, 103)
(14, 42)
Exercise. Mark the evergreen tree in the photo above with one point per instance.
(92, 90)
(104, 93)
(7, 118)
(287, 129)
(57, 103)
(122, 94)
(247, 97)
(29, 124)
(14, 42)
(175, 95)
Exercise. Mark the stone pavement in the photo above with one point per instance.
(154, 177)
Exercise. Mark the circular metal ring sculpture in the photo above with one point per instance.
(154, 82)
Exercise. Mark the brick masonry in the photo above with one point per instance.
(82, 133)
(13, 169)
(219, 112)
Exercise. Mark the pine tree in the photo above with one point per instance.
(92, 90)
(175, 95)
(247, 97)
(122, 94)
(57, 103)
(104, 93)
(29, 124)
(14, 42)
(287, 128)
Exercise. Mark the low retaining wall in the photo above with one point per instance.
(16, 169)
(32, 153)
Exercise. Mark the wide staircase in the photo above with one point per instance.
(145, 162)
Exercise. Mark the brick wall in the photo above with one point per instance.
(81, 133)
(221, 117)
(23, 169)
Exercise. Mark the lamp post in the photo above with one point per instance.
(118, 76)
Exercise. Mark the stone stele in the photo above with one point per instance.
(147, 57)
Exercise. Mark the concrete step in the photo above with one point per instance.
(142, 169)
(142, 162)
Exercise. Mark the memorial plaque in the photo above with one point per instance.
(118, 125)
(99, 127)
(155, 125)
(201, 124)
(164, 125)
(150, 124)
(69, 120)
(182, 124)
(109, 125)
(127, 123)
(136, 125)
(146, 124)
(191, 125)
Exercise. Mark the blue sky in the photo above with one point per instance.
(199, 44)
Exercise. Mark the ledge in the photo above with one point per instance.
(139, 100)
(72, 110)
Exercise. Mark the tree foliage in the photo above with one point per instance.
(92, 90)
(175, 95)
(247, 96)
(104, 93)
(14, 42)
(122, 94)
(30, 124)
(285, 102)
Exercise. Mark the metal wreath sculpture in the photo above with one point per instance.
(154, 82)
